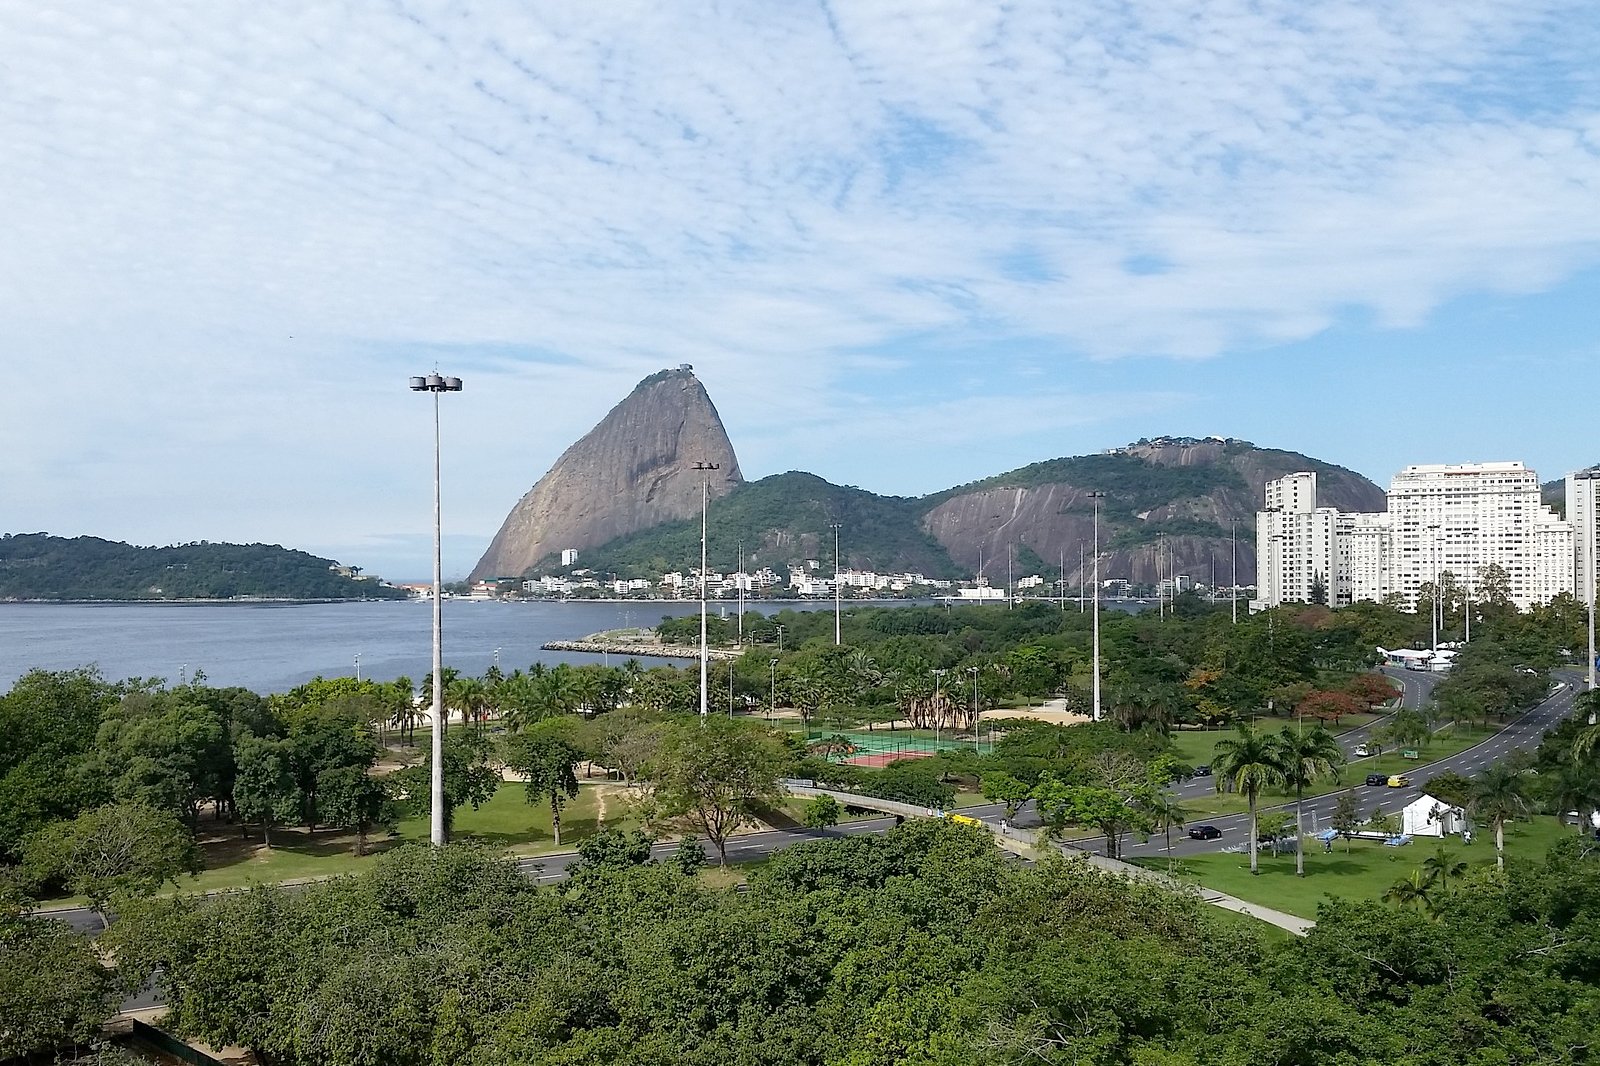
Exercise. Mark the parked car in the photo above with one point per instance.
(1205, 832)
(1399, 781)
(1203, 770)
(1362, 751)
(1377, 779)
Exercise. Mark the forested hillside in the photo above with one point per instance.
(780, 519)
(37, 566)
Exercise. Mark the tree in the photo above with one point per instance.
(1248, 763)
(822, 812)
(1167, 814)
(1000, 787)
(690, 858)
(1499, 795)
(1346, 817)
(1412, 892)
(1303, 759)
(614, 849)
(351, 798)
(716, 771)
(548, 762)
(265, 788)
(468, 778)
(1442, 867)
(1383, 824)
(117, 852)
(54, 990)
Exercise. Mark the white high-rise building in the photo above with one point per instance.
(1583, 486)
(1462, 518)
(1295, 544)
(1455, 519)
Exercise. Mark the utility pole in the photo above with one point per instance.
(1096, 497)
(772, 688)
(741, 592)
(1080, 577)
(1433, 544)
(704, 470)
(1063, 567)
(1011, 594)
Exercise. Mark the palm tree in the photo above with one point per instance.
(1443, 867)
(1304, 759)
(1248, 763)
(1577, 788)
(1499, 795)
(1412, 892)
(1167, 813)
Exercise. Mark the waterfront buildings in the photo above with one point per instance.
(1446, 524)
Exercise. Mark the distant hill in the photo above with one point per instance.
(781, 519)
(632, 471)
(1175, 496)
(37, 566)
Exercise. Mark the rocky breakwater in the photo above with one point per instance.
(601, 644)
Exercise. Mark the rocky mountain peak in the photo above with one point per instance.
(632, 471)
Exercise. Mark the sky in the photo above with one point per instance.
(904, 244)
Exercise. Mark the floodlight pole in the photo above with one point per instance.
(838, 626)
(436, 384)
(1096, 497)
(1233, 577)
(973, 670)
(705, 497)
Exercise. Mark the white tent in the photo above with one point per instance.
(1426, 816)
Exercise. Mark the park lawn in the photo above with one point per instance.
(1364, 872)
(1197, 746)
(1451, 741)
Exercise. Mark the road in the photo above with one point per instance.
(1522, 733)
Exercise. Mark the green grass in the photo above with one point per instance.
(1197, 746)
(1452, 741)
(1364, 872)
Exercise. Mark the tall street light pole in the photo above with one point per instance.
(1233, 593)
(1096, 497)
(838, 627)
(436, 384)
(1586, 494)
(772, 688)
(705, 498)
(938, 674)
(973, 670)
(1433, 544)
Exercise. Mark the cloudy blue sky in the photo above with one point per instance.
(905, 244)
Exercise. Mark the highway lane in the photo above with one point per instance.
(1520, 734)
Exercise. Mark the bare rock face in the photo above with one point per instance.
(632, 471)
(1171, 506)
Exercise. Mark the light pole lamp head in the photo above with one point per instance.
(452, 384)
(419, 384)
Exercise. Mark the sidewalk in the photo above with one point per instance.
(1015, 840)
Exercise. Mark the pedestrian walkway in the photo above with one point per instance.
(1290, 922)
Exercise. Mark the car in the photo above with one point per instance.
(1203, 770)
(1377, 779)
(1362, 751)
(1205, 832)
(1399, 781)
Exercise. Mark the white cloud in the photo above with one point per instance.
(231, 232)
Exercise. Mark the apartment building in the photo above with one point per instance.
(1456, 519)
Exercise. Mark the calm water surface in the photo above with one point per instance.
(274, 647)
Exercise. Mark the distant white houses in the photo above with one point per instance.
(569, 556)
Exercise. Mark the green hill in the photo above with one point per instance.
(781, 519)
(37, 566)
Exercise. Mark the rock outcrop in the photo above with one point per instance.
(1172, 498)
(632, 471)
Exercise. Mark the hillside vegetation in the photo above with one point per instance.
(37, 566)
(782, 519)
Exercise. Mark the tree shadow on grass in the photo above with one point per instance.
(227, 850)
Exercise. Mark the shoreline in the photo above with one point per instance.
(639, 651)
(185, 602)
